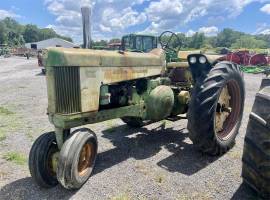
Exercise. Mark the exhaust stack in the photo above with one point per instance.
(86, 17)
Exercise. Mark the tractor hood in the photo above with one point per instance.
(102, 58)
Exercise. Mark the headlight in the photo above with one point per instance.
(193, 60)
(202, 60)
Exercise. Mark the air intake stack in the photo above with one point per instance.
(86, 20)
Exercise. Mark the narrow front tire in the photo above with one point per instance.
(77, 159)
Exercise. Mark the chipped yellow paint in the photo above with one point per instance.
(50, 90)
(90, 88)
(99, 67)
(102, 58)
(178, 64)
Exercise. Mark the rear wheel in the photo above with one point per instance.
(216, 109)
(134, 122)
(77, 159)
(256, 156)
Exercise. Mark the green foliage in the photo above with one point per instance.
(5, 111)
(197, 41)
(2, 136)
(3, 33)
(249, 42)
(15, 157)
(227, 37)
(101, 43)
(121, 197)
(14, 34)
(31, 33)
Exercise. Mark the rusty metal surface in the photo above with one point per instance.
(184, 54)
(86, 22)
(102, 58)
(177, 64)
(101, 67)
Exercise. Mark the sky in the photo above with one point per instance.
(114, 18)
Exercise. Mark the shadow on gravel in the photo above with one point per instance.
(244, 192)
(26, 189)
(40, 74)
(142, 143)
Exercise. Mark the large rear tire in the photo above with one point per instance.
(216, 109)
(256, 156)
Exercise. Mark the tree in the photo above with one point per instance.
(3, 33)
(249, 42)
(227, 37)
(265, 38)
(31, 33)
(101, 43)
(15, 39)
(197, 40)
(46, 33)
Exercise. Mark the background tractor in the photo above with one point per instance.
(87, 86)
(256, 156)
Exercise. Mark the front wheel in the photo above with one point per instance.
(216, 109)
(77, 159)
(42, 160)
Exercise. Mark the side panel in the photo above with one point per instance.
(90, 88)
(50, 89)
(118, 74)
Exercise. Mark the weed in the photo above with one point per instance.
(159, 178)
(111, 127)
(15, 157)
(5, 111)
(30, 135)
(235, 154)
(121, 197)
(2, 136)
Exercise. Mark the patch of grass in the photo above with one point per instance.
(121, 197)
(30, 135)
(3, 175)
(195, 195)
(15, 157)
(159, 179)
(2, 136)
(5, 111)
(111, 126)
(167, 123)
(235, 154)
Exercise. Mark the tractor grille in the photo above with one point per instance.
(67, 90)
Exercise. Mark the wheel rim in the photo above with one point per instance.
(228, 110)
(52, 159)
(86, 159)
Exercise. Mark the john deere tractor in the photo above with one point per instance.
(87, 86)
(256, 156)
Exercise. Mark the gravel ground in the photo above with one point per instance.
(155, 162)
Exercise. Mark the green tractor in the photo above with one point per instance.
(137, 84)
(256, 156)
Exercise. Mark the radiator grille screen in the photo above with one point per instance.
(67, 90)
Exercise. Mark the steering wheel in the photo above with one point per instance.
(166, 45)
